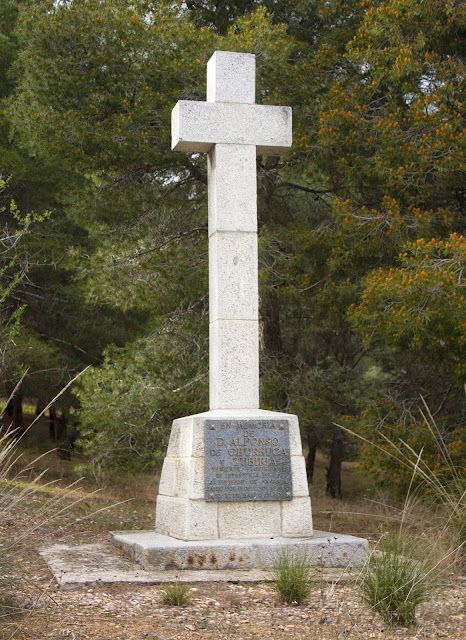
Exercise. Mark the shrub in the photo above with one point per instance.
(291, 574)
(176, 595)
(439, 478)
(395, 581)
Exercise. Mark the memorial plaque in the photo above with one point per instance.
(247, 460)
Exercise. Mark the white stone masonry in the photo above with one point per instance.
(184, 514)
(232, 129)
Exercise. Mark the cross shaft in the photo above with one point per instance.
(232, 130)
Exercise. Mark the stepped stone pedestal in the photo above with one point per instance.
(193, 532)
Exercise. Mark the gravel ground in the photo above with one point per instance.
(226, 611)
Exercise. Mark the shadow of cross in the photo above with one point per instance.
(232, 130)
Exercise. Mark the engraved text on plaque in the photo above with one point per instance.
(247, 460)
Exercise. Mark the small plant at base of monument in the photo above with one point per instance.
(291, 574)
(176, 594)
(397, 579)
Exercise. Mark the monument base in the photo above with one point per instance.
(184, 511)
(156, 552)
(215, 513)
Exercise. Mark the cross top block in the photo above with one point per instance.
(231, 77)
(230, 115)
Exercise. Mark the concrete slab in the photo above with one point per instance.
(158, 552)
(93, 564)
(77, 565)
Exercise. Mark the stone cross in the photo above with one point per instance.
(232, 130)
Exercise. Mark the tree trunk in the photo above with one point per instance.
(40, 406)
(9, 406)
(270, 316)
(68, 436)
(334, 468)
(18, 421)
(53, 425)
(311, 456)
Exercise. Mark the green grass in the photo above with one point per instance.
(397, 580)
(291, 574)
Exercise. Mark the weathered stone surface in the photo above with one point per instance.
(296, 518)
(233, 276)
(249, 519)
(197, 126)
(231, 78)
(186, 519)
(156, 552)
(322, 550)
(75, 565)
(234, 364)
(174, 480)
(298, 472)
(183, 478)
(232, 204)
(180, 444)
(172, 516)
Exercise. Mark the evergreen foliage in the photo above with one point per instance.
(361, 224)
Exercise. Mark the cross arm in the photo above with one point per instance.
(197, 126)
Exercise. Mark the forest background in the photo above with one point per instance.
(103, 251)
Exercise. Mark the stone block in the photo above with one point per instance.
(233, 290)
(338, 550)
(296, 448)
(232, 188)
(296, 518)
(186, 519)
(298, 473)
(199, 434)
(268, 552)
(249, 519)
(162, 553)
(202, 520)
(171, 516)
(181, 436)
(198, 556)
(174, 480)
(231, 77)
(234, 364)
(197, 126)
(183, 478)
(196, 478)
